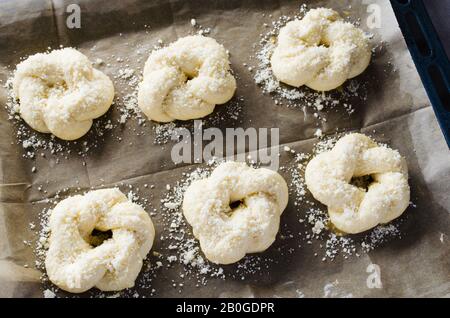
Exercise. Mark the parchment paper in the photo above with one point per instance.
(396, 107)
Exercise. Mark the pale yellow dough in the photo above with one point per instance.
(61, 93)
(74, 265)
(186, 80)
(353, 209)
(320, 51)
(226, 234)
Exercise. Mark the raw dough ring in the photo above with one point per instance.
(320, 51)
(74, 265)
(61, 93)
(186, 80)
(352, 209)
(226, 234)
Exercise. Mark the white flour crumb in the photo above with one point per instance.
(171, 206)
(126, 73)
(318, 227)
(164, 132)
(49, 294)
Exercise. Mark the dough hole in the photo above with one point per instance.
(324, 43)
(362, 182)
(235, 204)
(97, 237)
(58, 85)
(189, 73)
(190, 77)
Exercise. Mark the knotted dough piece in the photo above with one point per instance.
(320, 51)
(61, 93)
(74, 264)
(353, 209)
(186, 80)
(226, 234)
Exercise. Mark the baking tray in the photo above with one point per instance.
(429, 56)
(393, 108)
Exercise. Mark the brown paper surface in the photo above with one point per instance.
(396, 111)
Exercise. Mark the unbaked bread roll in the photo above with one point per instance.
(186, 80)
(227, 233)
(353, 209)
(320, 51)
(74, 264)
(61, 93)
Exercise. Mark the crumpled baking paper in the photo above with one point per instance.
(396, 111)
